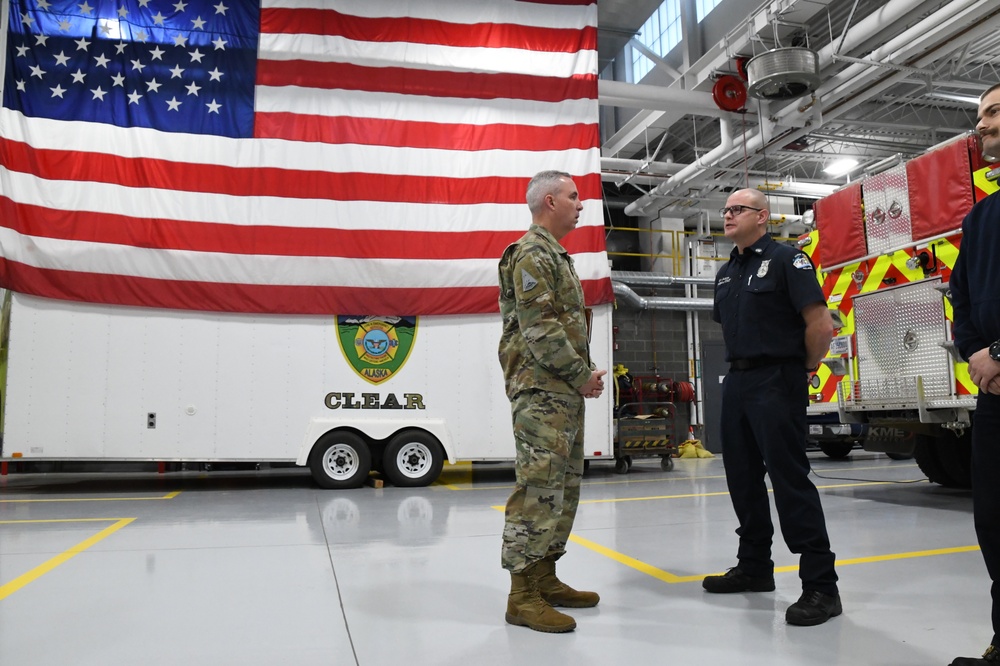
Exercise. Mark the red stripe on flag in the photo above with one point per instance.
(327, 22)
(270, 181)
(249, 298)
(415, 134)
(430, 83)
(270, 240)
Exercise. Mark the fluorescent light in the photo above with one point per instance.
(964, 99)
(840, 167)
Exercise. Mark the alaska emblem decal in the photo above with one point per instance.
(376, 347)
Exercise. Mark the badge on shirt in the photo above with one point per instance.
(762, 271)
(801, 261)
(528, 281)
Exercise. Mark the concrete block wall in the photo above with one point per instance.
(655, 342)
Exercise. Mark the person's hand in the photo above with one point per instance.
(594, 386)
(984, 371)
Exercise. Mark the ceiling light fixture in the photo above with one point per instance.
(964, 99)
(840, 167)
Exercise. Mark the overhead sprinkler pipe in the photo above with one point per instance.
(639, 206)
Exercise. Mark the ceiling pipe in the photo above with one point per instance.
(641, 279)
(660, 167)
(639, 206)
(844, 83)
(828, 94)
(630, 298)
(643, 96)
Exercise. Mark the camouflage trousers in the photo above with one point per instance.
(548, 434)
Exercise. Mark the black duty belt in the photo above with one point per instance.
(763, 361)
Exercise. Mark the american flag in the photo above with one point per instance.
(299, 156)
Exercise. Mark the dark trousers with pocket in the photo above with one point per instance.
(986, 492)
(764, 432)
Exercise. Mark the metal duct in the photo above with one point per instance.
(629, 297)
(786, 73)
(642, 279)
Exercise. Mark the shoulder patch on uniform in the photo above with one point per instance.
(528, 281)
(801, 261)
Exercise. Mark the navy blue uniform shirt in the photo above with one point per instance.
(975, 281)
(759, 297)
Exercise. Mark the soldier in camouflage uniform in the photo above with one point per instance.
(545, 355)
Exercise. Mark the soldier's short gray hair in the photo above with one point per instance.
(541, 185)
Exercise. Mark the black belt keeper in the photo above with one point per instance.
(763, 361)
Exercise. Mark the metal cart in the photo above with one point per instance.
(645, 430)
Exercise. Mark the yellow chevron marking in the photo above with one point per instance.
(946, 251)
(988, 186)
(877, 273)
(963, 378)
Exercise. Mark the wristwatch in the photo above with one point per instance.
(995, 351)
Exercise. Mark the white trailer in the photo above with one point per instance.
(89, 382)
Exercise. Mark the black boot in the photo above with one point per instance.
(813, 608)
(735, 580)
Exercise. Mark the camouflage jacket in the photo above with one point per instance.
(544, 342)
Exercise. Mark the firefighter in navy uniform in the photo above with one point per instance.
(975, 297)
(776, 327)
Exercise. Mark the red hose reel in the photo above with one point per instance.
(729, 93)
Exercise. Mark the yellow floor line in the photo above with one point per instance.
(668, 577)
(13, 586)
(168, 496)
(678, 478)
(723, 492)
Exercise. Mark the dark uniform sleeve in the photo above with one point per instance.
(967, 338)
(803, 287)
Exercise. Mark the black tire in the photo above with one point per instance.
(900, 456)
(836, 450)
(946, 460)
(340, 459)
(667, 463)
(621, 466)
(413, 458)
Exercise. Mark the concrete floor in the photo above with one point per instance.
(264, 568)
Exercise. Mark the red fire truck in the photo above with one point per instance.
(884, 248)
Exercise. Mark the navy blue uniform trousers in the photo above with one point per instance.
(986, 492)
(764, 431)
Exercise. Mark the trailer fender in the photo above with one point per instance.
(374, 429)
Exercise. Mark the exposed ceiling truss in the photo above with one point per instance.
(897, 77)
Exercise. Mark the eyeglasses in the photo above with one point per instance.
(736, 210)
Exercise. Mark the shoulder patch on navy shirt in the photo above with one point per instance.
(528, 281)
(801, 261)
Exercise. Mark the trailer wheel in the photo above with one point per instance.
(667, 463)
(340, 460)
(621, 466)
(413, 458)
(836, 450)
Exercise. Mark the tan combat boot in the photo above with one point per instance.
(557, 592)
(526, 608)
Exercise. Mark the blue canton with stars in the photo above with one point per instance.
(177, 67)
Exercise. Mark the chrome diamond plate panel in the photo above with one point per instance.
(887, 210)
(899, 331)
